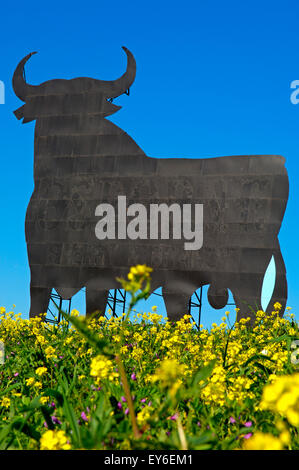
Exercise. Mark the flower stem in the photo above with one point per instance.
(128, 396)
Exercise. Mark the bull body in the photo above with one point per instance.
(81, 159)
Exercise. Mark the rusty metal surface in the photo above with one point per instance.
(81, 160)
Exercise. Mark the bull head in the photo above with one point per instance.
(63, 97)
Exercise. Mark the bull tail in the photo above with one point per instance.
(280, 291)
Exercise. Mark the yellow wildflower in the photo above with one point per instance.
(5, 402)
(44, 400)
(262, 441)
(144, 415)
(41, 371)
(50, 353)
(30, 381)
(282, 396)
(54, 440)
(102, 368)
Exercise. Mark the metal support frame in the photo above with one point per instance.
(116, 302)
(195, 304)
(56, 304)
(192, 305)
(117, 299)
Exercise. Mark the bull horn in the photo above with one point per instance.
(115, 88)
(21, 88)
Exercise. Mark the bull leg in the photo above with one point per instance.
(247, 297)
(40, 297)
(96, 302)
(176, 304)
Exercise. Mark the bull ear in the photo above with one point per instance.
(19, 113)
(21, 88)
(22, 113)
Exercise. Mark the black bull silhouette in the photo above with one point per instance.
(81, 159)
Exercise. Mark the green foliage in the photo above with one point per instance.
(93, 383)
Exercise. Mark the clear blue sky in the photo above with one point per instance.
(213, 79)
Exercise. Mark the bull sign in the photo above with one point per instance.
(101, 205)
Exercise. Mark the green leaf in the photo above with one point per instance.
(262, 357)
(55, 394)
(21, 425)
(72, 420)
(33, 405)
(6, 390)
(263, 368)
(278, 339)
(203, 373)
(204, 442)
(47, 415)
